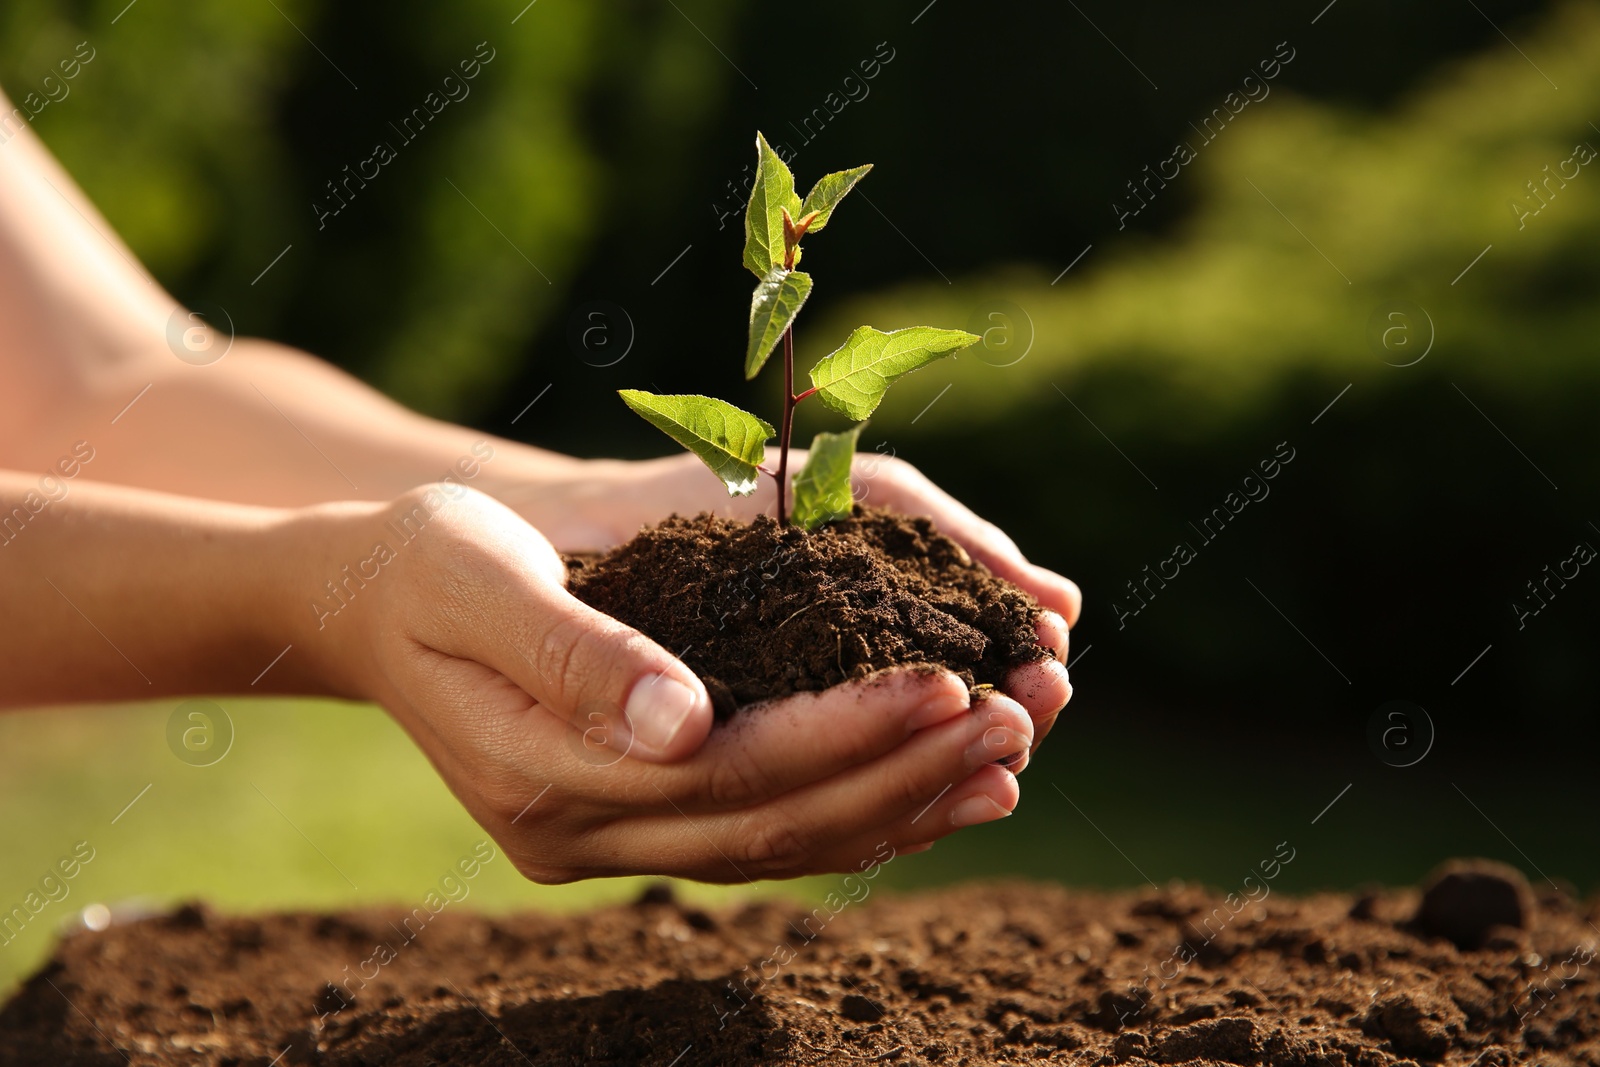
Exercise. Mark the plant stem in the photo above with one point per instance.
(789, 402)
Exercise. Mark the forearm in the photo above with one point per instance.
(265, 425)
(84, 331)
(118, 594)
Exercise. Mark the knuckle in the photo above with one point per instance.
(736, 780)
(578, 654)
(773, 842)
(506, 792)
(906, 792)
(561, 650)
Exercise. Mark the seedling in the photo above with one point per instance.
(851, 380)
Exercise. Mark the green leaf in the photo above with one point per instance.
(776, 302)
(772, 192)
(822, 488)
(730, 441)
(853, 379)
(826, 194)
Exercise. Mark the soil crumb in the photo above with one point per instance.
(983, 974)
(761, 610)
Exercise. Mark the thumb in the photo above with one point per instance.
(624, 691)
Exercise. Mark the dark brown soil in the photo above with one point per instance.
(759, 610)
(979, 975)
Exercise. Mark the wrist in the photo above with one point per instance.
(316, 593)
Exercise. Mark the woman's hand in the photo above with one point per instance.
(582, 746)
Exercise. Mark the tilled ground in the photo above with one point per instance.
(975, 975)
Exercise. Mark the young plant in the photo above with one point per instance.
(851, 380)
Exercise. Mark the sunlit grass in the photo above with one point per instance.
(316, 805)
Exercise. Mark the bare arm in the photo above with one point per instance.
(84, 330)
(118, 594)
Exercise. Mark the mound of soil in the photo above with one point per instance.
(760, 610)
(1000, 974)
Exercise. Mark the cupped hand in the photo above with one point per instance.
(586, 749)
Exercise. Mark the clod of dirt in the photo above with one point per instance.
(760, 610)
(860, 1009)
(1224, 1040)
(655, 893)
(1415, 1023)
(978, 975)
(1465, 899)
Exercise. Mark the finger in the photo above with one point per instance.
(1049, 588)
(578, 663)
(1002, 713)
(991, 794)
(902, 487)
(1042, 687)
(785, 835)
(1053, 633)
(769, 749)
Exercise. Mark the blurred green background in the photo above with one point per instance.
(1137, 366)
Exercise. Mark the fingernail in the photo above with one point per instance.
(657, 709)
(974, 810)
(1015, 763)
(994, 744)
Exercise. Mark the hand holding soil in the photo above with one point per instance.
(587, 749)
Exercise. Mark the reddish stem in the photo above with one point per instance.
(805, 394)
(787, 432)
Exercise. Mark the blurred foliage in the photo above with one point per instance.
(600, 144)
(207, 133)
(1385, 206)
